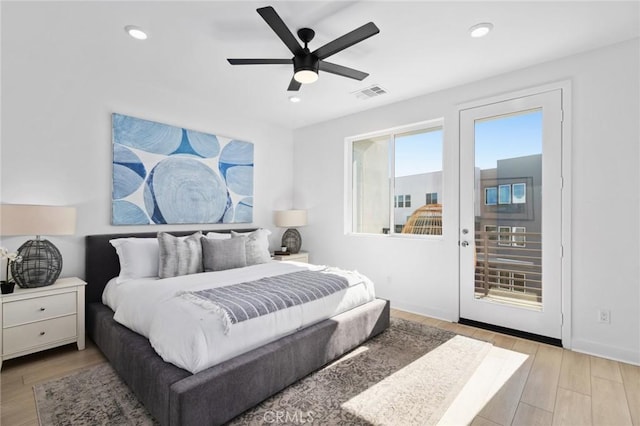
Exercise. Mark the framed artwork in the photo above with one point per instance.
(504, 194)
(164, 174)
(491, 196)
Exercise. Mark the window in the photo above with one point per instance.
(512, 281)
(519, 282)
(519, 193)
(491, 196)
(385, 164)
(508, 236)
(504, 194)
(519, 240)
(504, 235)
(491, 231)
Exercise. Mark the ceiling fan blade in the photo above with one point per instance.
(280, 28)
(347, 40)
(342, 71)
(294, 86)
(260, 61)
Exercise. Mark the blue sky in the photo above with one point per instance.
(419, 153)
(508, 137)
(505, 137)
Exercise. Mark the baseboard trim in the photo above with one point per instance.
(512, 332)
(614, 353)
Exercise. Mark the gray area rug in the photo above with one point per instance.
(407, 375)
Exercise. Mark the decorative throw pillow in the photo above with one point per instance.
(257, 245)
(218, 255)
(179, 255)
(138, 257)
(218, 235)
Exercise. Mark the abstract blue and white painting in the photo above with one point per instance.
(166, 175)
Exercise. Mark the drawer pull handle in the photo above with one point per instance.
(42, 333)
(41, 309)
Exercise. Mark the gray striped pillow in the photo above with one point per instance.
(179, 255)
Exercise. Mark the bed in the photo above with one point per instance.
(217, 394)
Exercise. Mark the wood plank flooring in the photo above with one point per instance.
(553, 387)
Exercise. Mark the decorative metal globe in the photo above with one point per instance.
(292, 240)
(41, 264)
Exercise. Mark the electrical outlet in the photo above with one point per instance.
(604, 316)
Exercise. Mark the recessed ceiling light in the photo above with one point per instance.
(294, 99)
(480, 30)
(135, 32)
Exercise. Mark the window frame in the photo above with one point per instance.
(427, 125)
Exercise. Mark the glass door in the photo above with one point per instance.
(510, 236)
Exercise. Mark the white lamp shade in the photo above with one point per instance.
(290, 218)
(25, 219)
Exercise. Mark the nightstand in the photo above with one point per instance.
(34, 319)
(302, 256)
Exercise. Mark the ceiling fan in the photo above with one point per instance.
(306, 64)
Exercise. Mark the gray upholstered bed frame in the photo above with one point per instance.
(216, 395)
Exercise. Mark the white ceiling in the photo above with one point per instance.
(423, 46)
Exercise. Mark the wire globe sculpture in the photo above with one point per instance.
(41, 264)
(292, 240)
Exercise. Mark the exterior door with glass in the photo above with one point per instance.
(510, 213)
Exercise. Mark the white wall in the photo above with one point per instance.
(421, 275)
(57, 100)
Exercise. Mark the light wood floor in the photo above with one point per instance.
(553, 387)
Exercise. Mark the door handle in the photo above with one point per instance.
(464, 243)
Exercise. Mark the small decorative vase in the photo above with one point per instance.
(7, 287)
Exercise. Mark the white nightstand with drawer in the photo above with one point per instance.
(34, 319)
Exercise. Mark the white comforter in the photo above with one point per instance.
(194, 338)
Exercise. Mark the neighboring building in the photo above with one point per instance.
(507, 221)
(413, 192)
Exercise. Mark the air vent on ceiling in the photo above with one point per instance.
(370, 92)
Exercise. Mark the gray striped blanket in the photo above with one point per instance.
(240, 302)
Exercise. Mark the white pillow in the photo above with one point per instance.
(218, 235)
(139, 257)
(257, 245)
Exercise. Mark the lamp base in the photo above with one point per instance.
(292, 240)
(40, 266)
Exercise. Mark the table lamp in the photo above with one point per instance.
(291, 219)
(41, 260)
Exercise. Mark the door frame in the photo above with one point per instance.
(566, 192)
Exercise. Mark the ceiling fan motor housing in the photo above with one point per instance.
(306, 62)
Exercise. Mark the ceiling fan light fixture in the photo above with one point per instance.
(305, 76)
(480, 30)
(305, 69)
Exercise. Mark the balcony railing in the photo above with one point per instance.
(508, 266)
